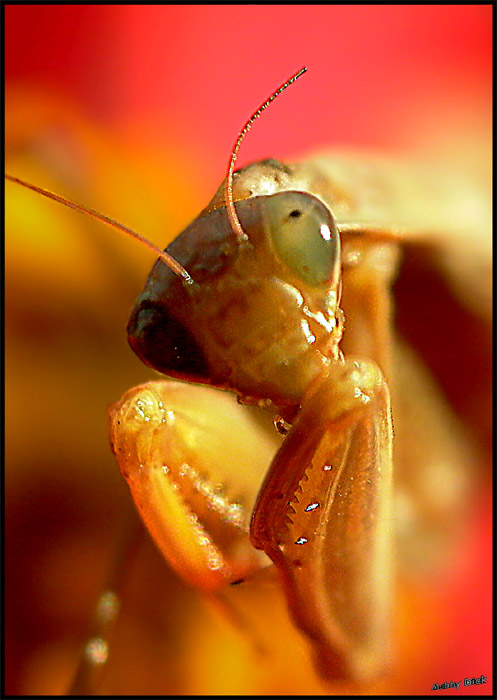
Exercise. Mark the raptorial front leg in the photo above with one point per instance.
(324, 517)
(193, 459)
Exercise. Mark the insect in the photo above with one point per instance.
(283, 298)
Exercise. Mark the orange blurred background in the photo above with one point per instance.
(134, 110)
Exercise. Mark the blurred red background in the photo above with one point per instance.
(134, 110)
(378, 74)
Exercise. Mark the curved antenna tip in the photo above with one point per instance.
(228, 188)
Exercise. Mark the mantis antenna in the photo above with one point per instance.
(165, 257)
(173, 264)
(228, 187)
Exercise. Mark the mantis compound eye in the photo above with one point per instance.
(164, 342)
(305, 236)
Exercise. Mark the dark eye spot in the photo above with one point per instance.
(295, 214)
(163, 342)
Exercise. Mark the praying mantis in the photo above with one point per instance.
(281, 293)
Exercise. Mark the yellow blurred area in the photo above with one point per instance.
(70, 284)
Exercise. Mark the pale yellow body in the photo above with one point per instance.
(188, 474)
